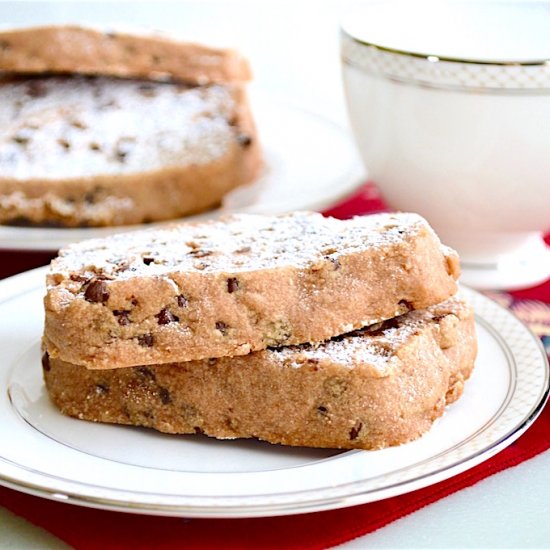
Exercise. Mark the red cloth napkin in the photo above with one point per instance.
(91, 529)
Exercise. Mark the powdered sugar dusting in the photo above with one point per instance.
(69, 127)
(238, 243)
(376, 346)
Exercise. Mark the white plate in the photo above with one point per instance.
(139, 470)
(310, 163)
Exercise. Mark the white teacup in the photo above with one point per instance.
(450, 105)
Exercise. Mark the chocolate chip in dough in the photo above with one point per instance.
(146, 340)
(146, 373)
(232, 284)
(46, 361)
(101, 389)
(122, 317)
(165, 317)
(96, 292)
(222, 327)
(244, 140)
(354, 432)
(164, 395)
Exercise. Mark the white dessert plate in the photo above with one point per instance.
(140, 470)
(310, 163)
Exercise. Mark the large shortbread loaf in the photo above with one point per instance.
(245, 283)
(95, 151)
(380, 386)
(70, 49)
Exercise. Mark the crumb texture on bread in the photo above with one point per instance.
(373, 388)
(93, 151)
(242, 284)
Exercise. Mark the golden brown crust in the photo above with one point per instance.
(74, 49)
(195, 291)
(370, 390)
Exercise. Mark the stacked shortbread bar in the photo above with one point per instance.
(107, 128)
(297, 329)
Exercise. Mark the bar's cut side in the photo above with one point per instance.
(246, 283)
(370, 389)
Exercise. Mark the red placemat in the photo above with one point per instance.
(90, 529)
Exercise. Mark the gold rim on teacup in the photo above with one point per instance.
(529, 76)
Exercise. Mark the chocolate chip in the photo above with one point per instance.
(64, 143)
(122, 316)
(322, 410)
(147, 414)
(90, 197)
(147, 260)
(46, 361)
(222, 327)
(244, 140)
(242, 250)
(121, 156)
(335, 262)
(146, 373)
(123, 148)
(36, 88)
(199, 253)
(198, 430)
(164, 395)
(146, 340)
(164, 317)
(406, 304)
(134, 301)
(96, 291)
(182, 301)
(232, 284)
(102, 389)
(354, 432)
(21, 138)
(78, 124)
(438, 318)
(212, 361)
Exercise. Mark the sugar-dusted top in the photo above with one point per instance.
(237, 243)
(75, 126)
(375, 346)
